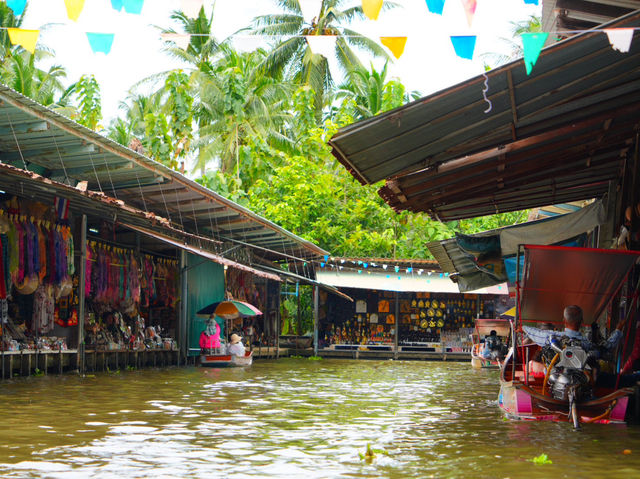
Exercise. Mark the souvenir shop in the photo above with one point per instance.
(129, 294)
(414, 324)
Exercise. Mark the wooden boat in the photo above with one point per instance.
(554, 277)
(226, 360)
(483, 328)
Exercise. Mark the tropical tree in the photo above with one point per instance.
(89, 111)
(203, 46)
(7, 20)
(368, 93)
(239, 108)
(292, 57)
(533, 24)
(19, 71)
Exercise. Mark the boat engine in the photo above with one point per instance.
(568, 378)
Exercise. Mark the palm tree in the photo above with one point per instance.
(368, 93)
(533, 24)
(7, 20)
(238, 106)
(202, 48)
(292, 56)
(19, 72)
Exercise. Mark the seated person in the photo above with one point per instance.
(492, 346)
(210, 337)
(572, 319)
(235, 346)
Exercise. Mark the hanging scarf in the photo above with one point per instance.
(88, 271)
(3, 284)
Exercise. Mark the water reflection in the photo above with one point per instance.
(291, 418)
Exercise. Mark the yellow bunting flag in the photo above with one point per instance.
(395, 44)
(74, 8)
(27, 39)
(371, 8)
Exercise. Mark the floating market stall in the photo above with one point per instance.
(402, 309)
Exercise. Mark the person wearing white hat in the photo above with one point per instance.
(235, 345)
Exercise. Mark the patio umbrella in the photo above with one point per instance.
(230, 309)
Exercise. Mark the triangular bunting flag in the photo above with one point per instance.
(324, 45)
(182, 40)
(27, 39)
(74, 9)
(17, 6)
(532, 43)
(117, 4)
(531, 2)
(435, 6)
(310, 9)
(464, 45)
(133, 6)
(191, 8)
(620, 38)
(469, 9)
(395, 44)
(100, 42)
(371, 8)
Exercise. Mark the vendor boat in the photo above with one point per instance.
(554, 277)
(226, 360)
(483, 328)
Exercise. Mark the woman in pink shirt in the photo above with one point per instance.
(210, 337)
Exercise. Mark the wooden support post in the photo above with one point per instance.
(396, 326)
(81, 293)
(316, 317)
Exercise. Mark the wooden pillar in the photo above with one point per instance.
(81, 292)
(183, 347)
(316, 317)
(278, 320)
(396, 326)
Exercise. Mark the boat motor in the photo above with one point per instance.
(568, 378)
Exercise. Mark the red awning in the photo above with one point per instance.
(557, 276)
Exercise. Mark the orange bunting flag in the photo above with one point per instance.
(371, 8)
(469, 9)
(395, 44)
(74, 8)
(27, 39)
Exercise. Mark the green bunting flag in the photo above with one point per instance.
(532, 43)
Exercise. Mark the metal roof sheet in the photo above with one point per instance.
(34, 138)
(555, 136)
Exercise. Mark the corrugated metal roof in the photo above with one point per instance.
(556, 136)
(34, 138)
(583, 15)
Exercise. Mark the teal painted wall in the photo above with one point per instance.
(205, 285)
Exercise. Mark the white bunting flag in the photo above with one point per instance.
(191, 8)
(324, 45)
(310, 9)
(620, 38)
(182, 40)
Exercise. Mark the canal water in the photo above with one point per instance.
(293, 418)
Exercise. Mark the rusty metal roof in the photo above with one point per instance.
(583, 14)
(36, 139)
(555, 136)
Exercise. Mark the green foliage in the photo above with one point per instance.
(89, 104)
(541, 459)
(314, 358)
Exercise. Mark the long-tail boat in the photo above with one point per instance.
(567, 387)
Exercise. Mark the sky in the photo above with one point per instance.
(428, 64)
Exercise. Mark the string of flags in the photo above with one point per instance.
(325, 45)
(363, 267)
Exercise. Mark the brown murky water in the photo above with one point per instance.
(293, 418)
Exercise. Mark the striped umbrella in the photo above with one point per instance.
(230, 309)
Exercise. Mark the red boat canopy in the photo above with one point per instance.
(557, 276)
